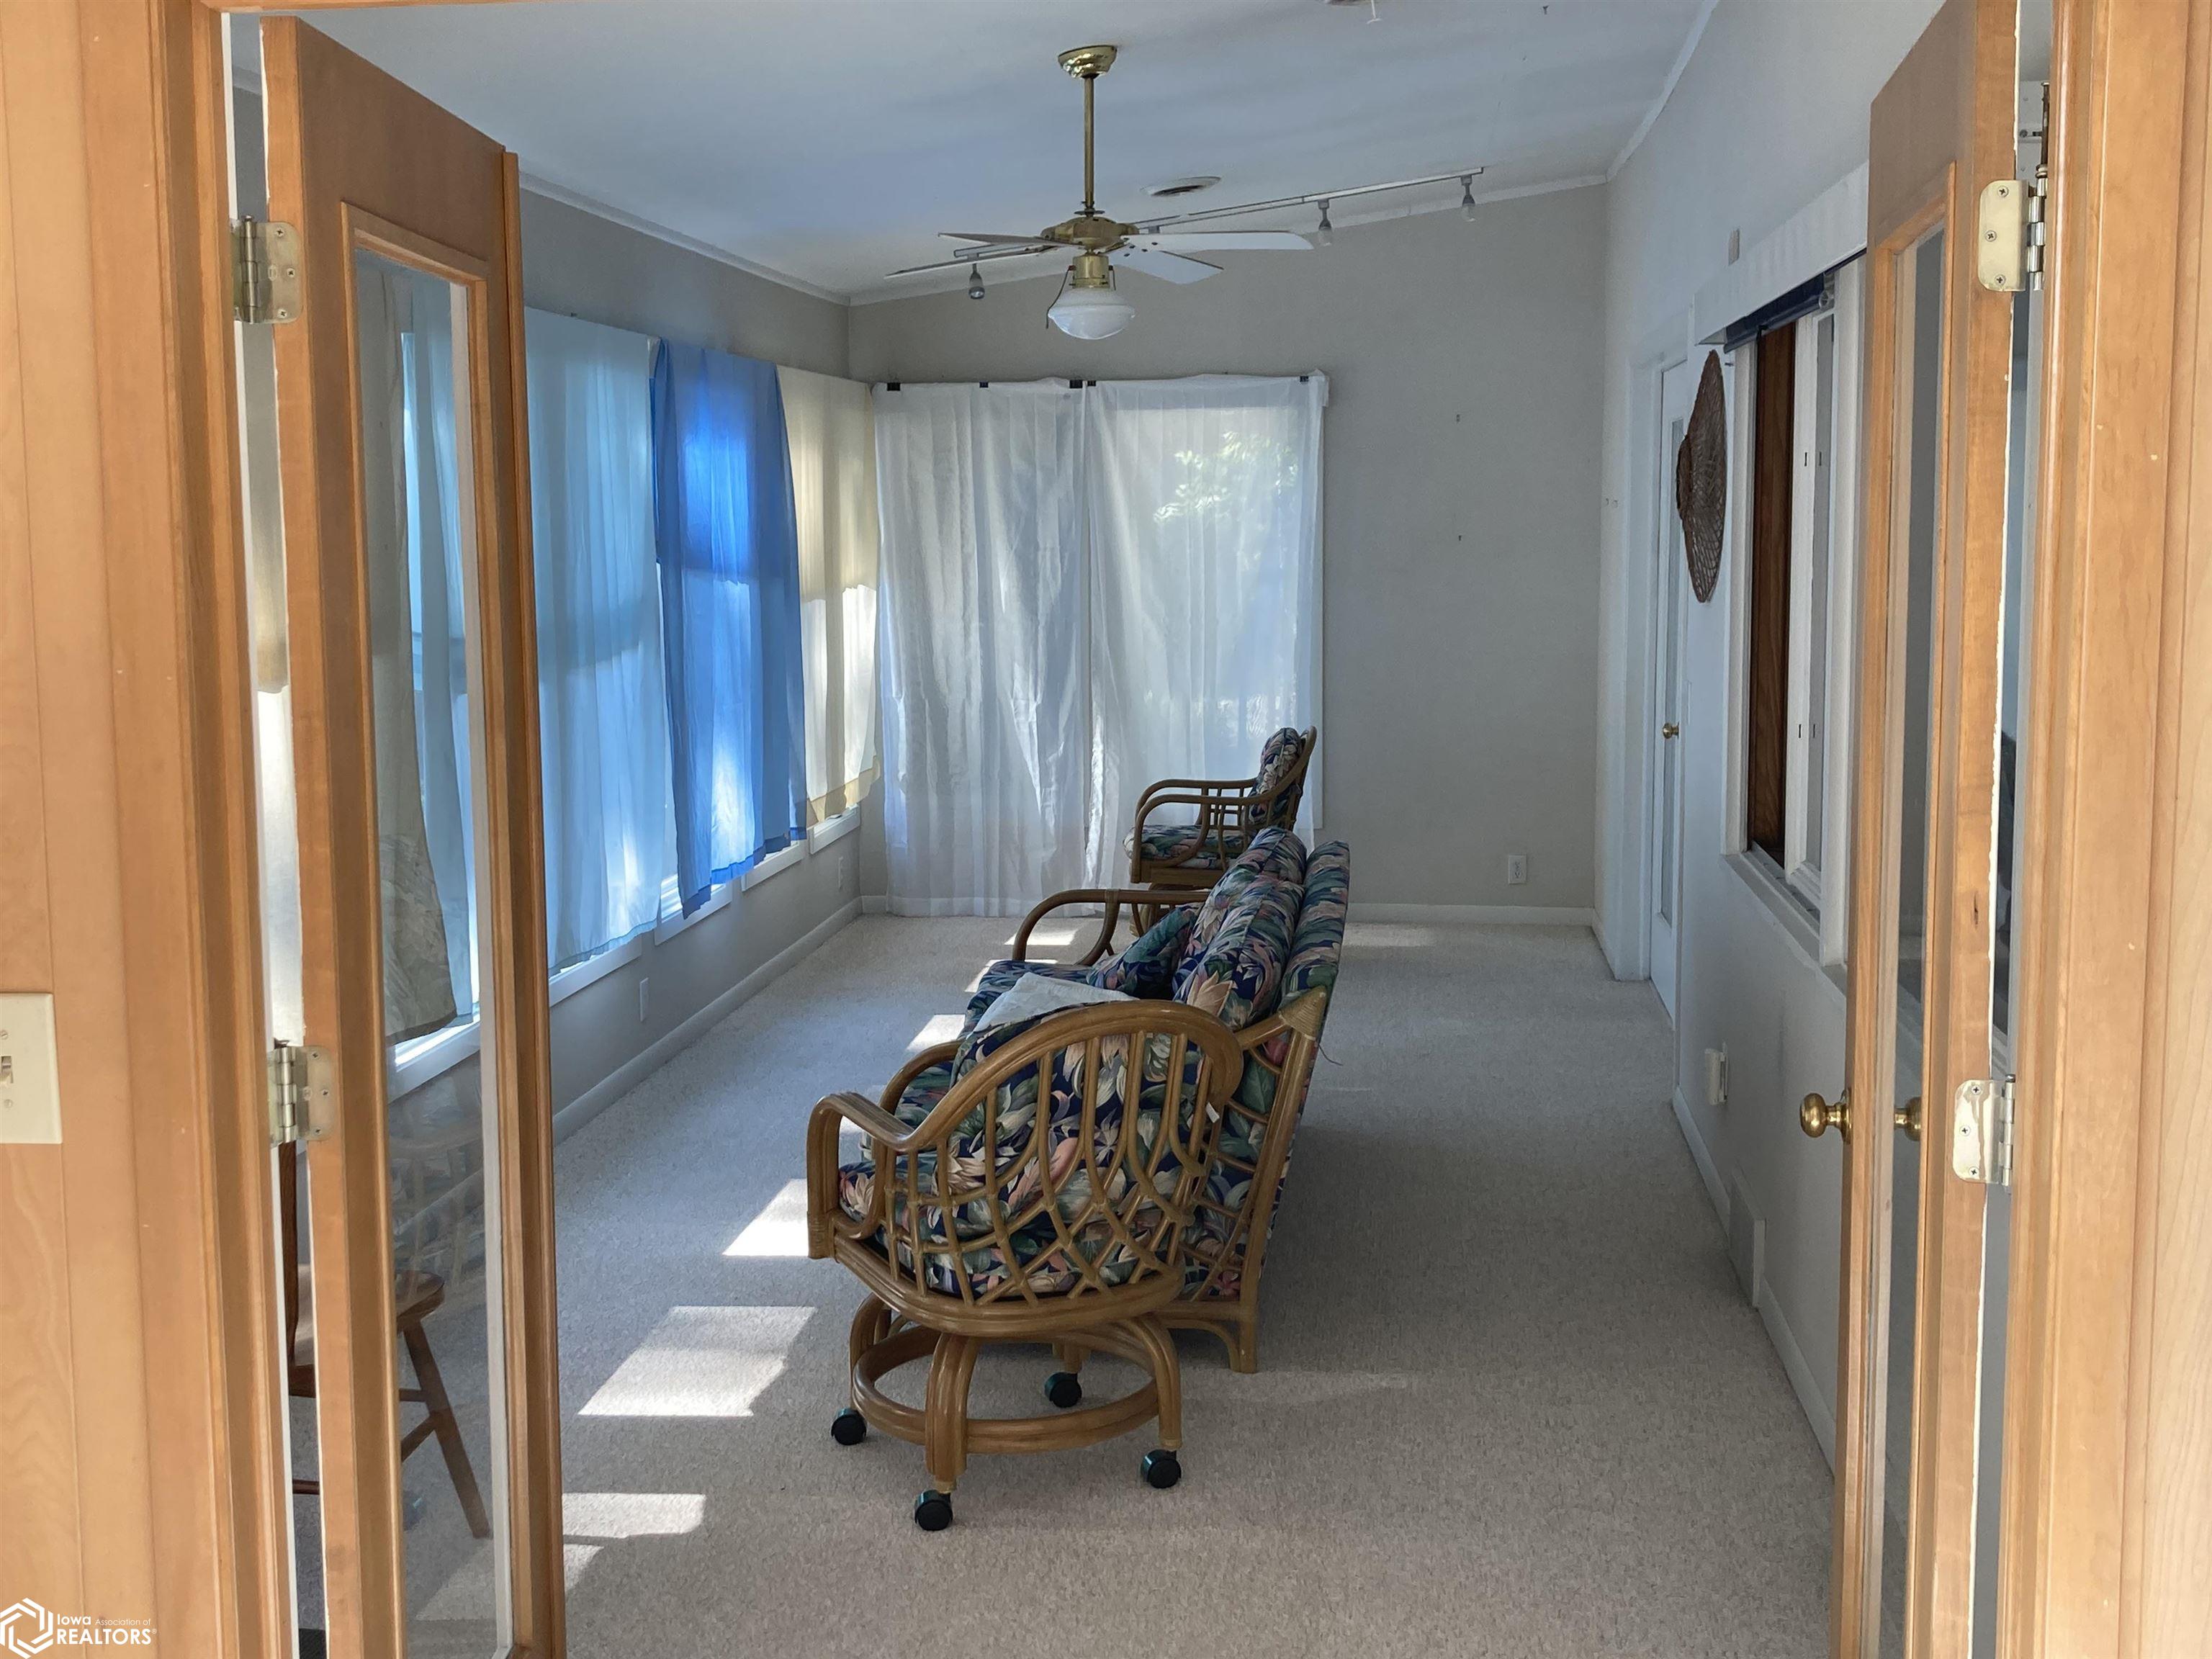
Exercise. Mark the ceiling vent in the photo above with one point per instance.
(1189, 186)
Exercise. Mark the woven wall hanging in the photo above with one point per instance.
(1701, 481)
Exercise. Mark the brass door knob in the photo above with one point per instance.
(1670, 730)
(1908, 1118)
(1816, 1116)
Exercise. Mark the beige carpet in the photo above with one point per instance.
(1511, 1401)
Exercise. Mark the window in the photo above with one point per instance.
(1797, 377)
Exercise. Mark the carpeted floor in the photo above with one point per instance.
(1510, 1402)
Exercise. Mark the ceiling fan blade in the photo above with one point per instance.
(980, 257)
(1200, 241)
(981, 238)
(1171, 267)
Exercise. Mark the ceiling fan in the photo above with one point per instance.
(1088, 306)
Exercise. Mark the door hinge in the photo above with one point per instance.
(265, 271)
(2010, 233)
(299, 1093)
(1981, 1131)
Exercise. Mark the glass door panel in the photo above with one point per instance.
(417, 467)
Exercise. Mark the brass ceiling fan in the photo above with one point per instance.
(1088, 306)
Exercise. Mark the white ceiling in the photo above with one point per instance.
(827, 141)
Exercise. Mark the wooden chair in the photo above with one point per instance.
(1235, 1211)
(1227, 812)
(977, 1218)
(415, 1296)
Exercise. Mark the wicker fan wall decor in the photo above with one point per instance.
(1701, 481)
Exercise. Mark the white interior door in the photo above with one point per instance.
(1670, 586)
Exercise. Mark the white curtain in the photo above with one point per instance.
(602, 699)
(413, 504)
(985, 645)
(829, 430)
(1205, 499)
(1085, 590)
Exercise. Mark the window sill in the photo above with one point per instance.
(834, 829)
(1797, 923)
(676, 921)
(772, 865)
(434, 1056)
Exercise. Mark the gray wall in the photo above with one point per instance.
(1461, 503)
(1771, 110)
(577, 263)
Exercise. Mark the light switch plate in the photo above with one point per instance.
(30, 1083)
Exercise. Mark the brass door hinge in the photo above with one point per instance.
(1982, 1130)
(2008, 233)
(299, 1093)
(265, 271)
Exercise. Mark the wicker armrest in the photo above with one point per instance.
(1113, 898)
(1095, 1023)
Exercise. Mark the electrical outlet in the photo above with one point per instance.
(1716, 1077)
(644, 998)
(844, 873)
(1517, 869)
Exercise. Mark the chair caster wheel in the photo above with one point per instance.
(1064, 1389)
(848, 1427)
(933, 1511)
(1162, 1469)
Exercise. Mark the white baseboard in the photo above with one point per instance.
(876, 904)
(1530, 916)
(626, 1076)
(1816, 1409)
(1810, 1401)
(1703, 1158)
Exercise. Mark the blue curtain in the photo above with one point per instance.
(727, 541)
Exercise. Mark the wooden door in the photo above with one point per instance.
(424, 969)
(1931, 582)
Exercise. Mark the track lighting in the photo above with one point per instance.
(1327, 232)
(975, 281)
(1467, 196)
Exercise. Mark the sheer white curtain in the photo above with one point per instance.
(1205, 502)
(985, 643)
(603, 712)
(830, 431)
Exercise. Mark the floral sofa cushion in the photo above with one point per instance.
(1178, 844)
(1277, 755)
(1273, 852)
(1218, 1234)
(1237, 975)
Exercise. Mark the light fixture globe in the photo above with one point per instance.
(1090, 307)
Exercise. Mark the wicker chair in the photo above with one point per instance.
(975, 1218)
(1226, 814)
(1235, 1210)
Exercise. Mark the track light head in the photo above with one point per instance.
(1325, 233)
(975, 281)
(1467, 196)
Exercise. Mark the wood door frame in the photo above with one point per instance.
(2107, 1496)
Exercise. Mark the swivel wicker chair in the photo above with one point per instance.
(977, 1217)
(1226, 814)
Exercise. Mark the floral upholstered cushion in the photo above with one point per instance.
(1146, 966)
(1278, 757)
(1275, 853)
(1238, 975)
(1179, 844)
(1226, 1214)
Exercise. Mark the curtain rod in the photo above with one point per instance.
(1077, 385)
